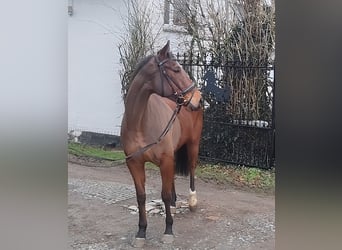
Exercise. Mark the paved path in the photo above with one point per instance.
(226, 218)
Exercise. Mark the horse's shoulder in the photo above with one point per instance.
(160, 102)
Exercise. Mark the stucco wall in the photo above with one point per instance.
(94, 89)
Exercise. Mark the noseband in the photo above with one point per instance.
(178, 94)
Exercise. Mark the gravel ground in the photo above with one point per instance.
(102, 215)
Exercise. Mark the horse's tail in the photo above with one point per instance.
(181, 158)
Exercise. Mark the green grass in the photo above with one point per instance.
(212, 173)
(151, 166)
(85, 150)
(239, 176)
(222, 174)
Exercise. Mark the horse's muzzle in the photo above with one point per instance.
(193, 99)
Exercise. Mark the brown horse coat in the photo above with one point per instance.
(160, 86)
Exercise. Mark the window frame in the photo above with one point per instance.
(169, 17)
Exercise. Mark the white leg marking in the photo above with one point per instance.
(192, 200)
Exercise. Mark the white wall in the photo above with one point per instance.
(94, 88)
(166, 32)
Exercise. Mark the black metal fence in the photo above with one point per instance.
(239, 109)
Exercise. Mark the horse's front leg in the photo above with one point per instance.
(167, 175)
(138, 173)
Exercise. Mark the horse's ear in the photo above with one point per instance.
(163, 53)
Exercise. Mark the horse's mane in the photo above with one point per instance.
(138, 67)
(142, 62)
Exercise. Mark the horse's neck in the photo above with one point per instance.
(136, 102)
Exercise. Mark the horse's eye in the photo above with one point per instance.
(177, 69)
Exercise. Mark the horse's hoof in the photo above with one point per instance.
(138, 242)
(193, 208)
(167, 238)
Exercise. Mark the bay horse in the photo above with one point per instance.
(162, 124)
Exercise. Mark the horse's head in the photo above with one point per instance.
(174, 82)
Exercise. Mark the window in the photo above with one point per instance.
(175, 12)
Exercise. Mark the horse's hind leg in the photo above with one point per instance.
(167, 175)
(192, 193)
(193, 156)
(137, 170)
(173, 198)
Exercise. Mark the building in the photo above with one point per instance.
(95, 28)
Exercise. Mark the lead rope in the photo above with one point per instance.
(162, 135)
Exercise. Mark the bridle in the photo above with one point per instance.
(178, 97)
